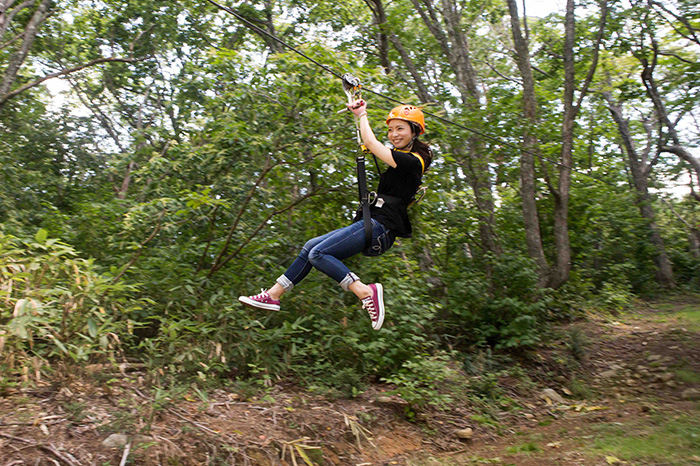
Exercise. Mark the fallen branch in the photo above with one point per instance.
(172, 411)
(125, 456)
(65, 457)
(358, 431)
(194, 423)
(19, 439)
(300, 447)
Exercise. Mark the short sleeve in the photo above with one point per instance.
(407, 162)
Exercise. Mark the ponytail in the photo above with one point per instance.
(419, 147)
(422, 149)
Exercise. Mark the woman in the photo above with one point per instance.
(397, 185)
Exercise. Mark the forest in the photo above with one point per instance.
(159, 159)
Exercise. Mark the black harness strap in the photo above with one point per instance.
(352, 86)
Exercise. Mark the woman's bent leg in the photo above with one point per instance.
(327, 255)
(327, 252)
(301, 266)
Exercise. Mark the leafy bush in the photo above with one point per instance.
(505, 311)
(420, 379)
(55, 306)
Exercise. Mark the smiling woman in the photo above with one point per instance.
(407, 162)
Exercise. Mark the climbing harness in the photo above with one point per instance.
(352, 88)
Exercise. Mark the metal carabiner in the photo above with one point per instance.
(352, 88)
(372, 197)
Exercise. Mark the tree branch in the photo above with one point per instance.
(262, 224)
(692, 32)
(685, 155)
(29, 35)
(134, 258)
(266, 169)
(596, 53)
(9, 95)
(5, 20)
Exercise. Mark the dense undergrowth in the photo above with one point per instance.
(59, 308)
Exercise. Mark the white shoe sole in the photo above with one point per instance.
(258, 305)
(380, 298)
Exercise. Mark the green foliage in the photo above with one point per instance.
(165, 187)
(576, 344)
(337, 383)
(55, 306)
(420, 382)
(527, 448)
(506, 311)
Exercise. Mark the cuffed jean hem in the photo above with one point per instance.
(348, 280)
(285, 282)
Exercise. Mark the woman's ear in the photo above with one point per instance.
(415, 129)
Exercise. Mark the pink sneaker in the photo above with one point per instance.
(375, 305)
(261, 301)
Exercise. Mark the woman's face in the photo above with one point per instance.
(399, 133)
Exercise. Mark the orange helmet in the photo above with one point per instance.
(408, 113)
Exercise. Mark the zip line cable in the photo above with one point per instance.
(259, 30)
(251, 25)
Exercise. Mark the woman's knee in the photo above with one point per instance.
(306, 249)
(314, 255)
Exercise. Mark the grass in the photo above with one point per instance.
(526, 448)
(691, 315)
(659, 440)
(686, 314)
(462, 461)
(687, 376)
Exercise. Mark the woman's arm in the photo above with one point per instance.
(359, 109)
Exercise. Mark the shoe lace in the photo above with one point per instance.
(262, 295)
(368, 304)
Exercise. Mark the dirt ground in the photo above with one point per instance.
(638, 376)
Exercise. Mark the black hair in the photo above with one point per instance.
(420, 147)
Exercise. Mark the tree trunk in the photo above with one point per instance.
(380, 19)
(662, 116)
(640, 174)
(453, 41)
(528, 193)
(562, 266)
(7, 15)
(480, 177)
(694, 242)
(423, 93)
(17, 59)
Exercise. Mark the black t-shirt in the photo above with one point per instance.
(400, 182)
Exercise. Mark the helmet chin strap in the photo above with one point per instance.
(408, 146)
(415, 132)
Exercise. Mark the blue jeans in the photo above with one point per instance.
(326, 253)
